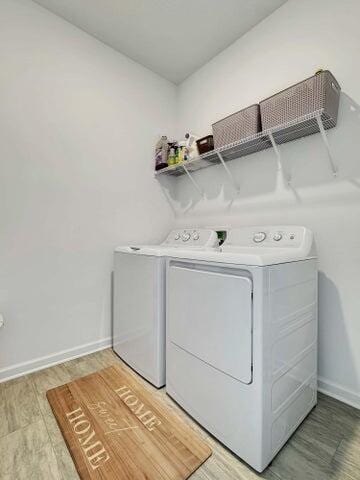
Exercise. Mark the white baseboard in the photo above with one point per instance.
(44, 362)
(340, 393)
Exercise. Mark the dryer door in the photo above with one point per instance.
(210, 316)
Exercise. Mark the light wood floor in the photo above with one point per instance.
(326, 446)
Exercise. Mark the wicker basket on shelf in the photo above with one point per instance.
(237, 126)
(319, 93)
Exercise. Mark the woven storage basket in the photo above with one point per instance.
(319, 92)
(237, 126)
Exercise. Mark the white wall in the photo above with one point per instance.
(78, 123)
(288, 46)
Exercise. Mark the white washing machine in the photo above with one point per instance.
(242, 337)
(139, 300)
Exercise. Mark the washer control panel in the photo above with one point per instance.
(192, 237)
(266, 236)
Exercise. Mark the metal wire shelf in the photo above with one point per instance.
(315, 122)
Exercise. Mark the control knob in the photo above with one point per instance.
(195, 236)
(185, 237)
(259, 237)
(277, 237)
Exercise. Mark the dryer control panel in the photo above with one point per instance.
(192, 238)
(269, 236)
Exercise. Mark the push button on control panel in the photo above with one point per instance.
(259, 237)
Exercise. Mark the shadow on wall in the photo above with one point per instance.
(335, 333)
(112, 306)
(344, 422)
(216, 186)
(260, 178)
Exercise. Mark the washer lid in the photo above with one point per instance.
(155, 250)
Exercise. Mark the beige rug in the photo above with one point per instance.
(115, 429)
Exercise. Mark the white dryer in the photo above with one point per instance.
(242, 337)
(139, 300)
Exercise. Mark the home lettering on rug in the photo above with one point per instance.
(94, 451)
(107, 418)
(146, 417)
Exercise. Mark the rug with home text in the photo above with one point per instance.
(115, 428)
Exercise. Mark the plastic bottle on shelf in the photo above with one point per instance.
(172, 156)
(161, 153)
(181, 152)
(191, 147)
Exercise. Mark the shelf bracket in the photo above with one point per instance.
(230, 175)
(333, 166)
(193, 181)
(282, 167)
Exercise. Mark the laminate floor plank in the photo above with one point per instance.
(337, 416)
(27, 453)
(18, 405)
(79, 367)
(346, 460)
(66, 465)
(48, 378)
(49, 419)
